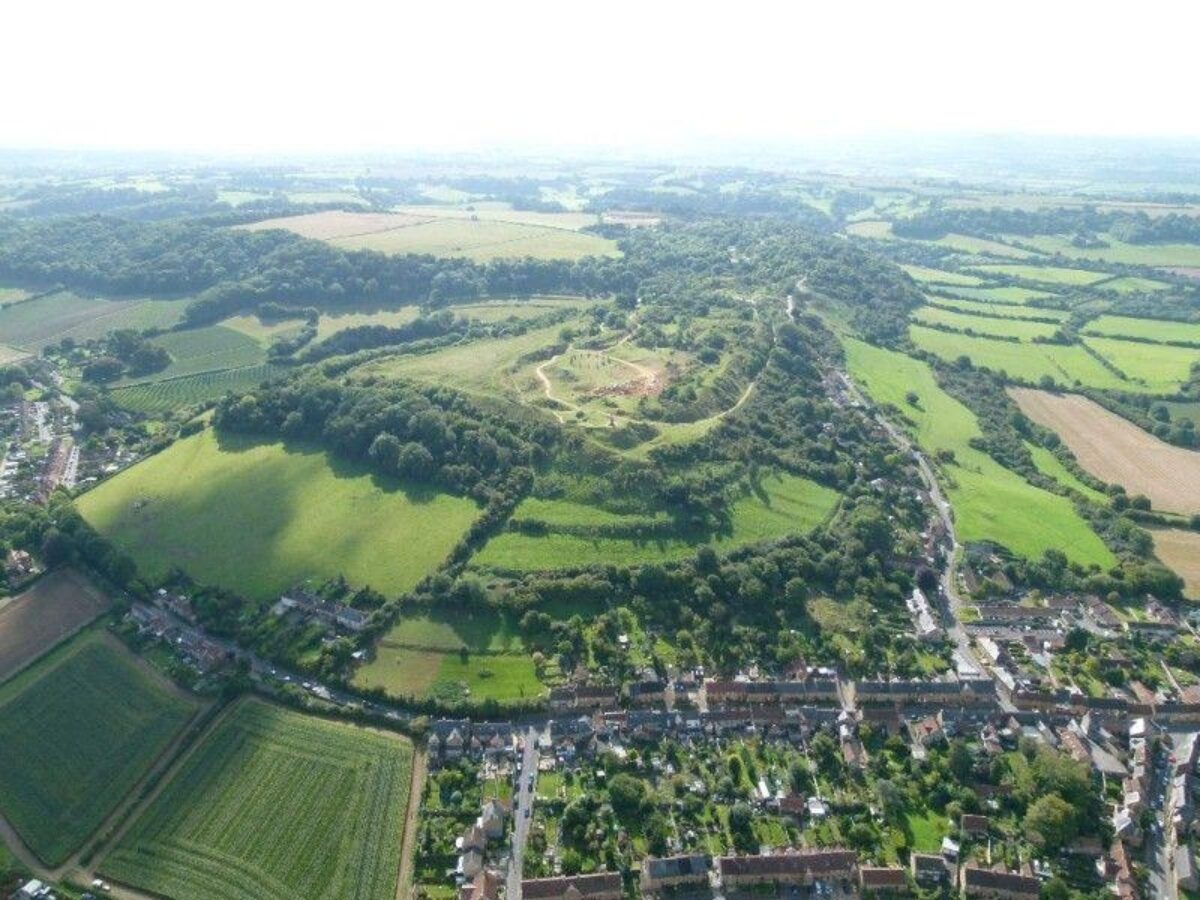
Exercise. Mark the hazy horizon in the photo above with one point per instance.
(540, 78)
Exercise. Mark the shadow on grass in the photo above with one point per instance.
(416, 493)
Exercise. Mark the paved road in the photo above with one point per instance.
(523, 814)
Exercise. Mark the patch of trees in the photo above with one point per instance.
(233, 270)
(121, 353)
(1083, 223)
(425, 434)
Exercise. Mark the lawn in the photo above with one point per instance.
(1159, 330)
(1046, 274)
(450, 676)
(1157, 368)
(188, 390)
(259, 517)
(79, 729)
(1006, 294)
(965, 321)
(274, 805)
(779, 505)
(938, 276)
(991, 503)
(34, 324)
(1000, 309)
(1066, 364)
(927, 830)
(483, 630)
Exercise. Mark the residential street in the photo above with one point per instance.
(522, 813)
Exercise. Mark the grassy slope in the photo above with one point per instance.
(1007, 327)
(1157, 368)
(78, 730)
(787, 505)
(275, 805)
(1048, 274)
(1148, 329)
(1051, 466)
(990, 502)
(1066, 364)
(258, 517)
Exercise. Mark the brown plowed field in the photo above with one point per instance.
(1180, 551)
(1117, 451)
(56, 606)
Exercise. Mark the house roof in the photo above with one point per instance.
(882, 877)
(1010, 882)
(677, 866)
(814, 862)
(585, 885)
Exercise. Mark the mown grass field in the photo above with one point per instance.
(275, 805)
(1180, 551)
(34, 324)
(214, 348)
(502, 310)
(1155, 368)
(477, 630)
(981, 246)
(1006, 310)
(1158, 330)
(164, 396)
(1066, 364)
(451, 675)
(34, 621)
(965, 321)
(265, 332)
(1004, 294)
(781, 505)
(1045, 274)
(78, 730)
(257, 518)
(939, 276)
(1119, 251)
(991, 503)
(331, 323)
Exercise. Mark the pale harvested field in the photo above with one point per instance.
(1180, 551)
(332, 224)
(1117, 451)
(57, 605)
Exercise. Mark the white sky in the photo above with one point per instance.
(265, 76)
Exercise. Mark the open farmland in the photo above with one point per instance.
(1179, 550)
(477, 238)
(981, 246)
(11, 354)
(1132, 284)
(1045, 274)
(1000, 327)
(1117, 451)
(1004, 310)
(1157, 330)
(37, 323)
(1053, 467)
(1118, 251)
(57, 605)
(239, 514)
(502, 212)
(501, 310)
(274, 805)
(1154, 368)
(163, 396)
(782, 505)
(331, 323)
(10, 295)
(1003, 294)
(991, 503)
(939, 276)
(79, 730)
(1066, 364)
(870, 228)
(211, 349)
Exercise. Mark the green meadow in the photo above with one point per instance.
(1156, 368)
(1119, 251)
(259, 517)
(964, 321)
(1003, 294)
(1045, 274)
(1052, 467)
(1158, 330)
(1000, 309)
(1066, 364)
(779, 505)
(48, 319)
(938, 276)
(991, 503)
